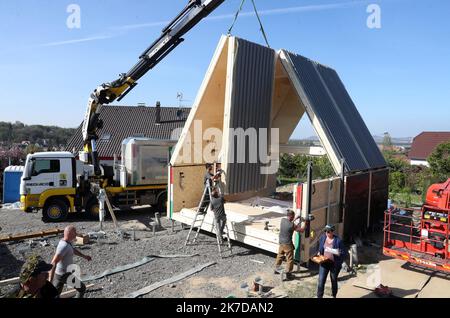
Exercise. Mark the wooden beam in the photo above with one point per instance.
(10, 281)
(20, 237)
(71, 293)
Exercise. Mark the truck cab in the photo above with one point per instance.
(49, 182)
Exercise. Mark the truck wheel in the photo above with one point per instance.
(55, 210)
(162, 203)
(93, 209)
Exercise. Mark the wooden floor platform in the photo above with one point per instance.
(246, 221)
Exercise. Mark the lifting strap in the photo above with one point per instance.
(261, 27)
(260, 24)
(236, 17)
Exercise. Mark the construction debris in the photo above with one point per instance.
(97, 235)
(71, 293)
(134, 225)
(20, 237)
(171, 280)
(82, 240)
(381, 290)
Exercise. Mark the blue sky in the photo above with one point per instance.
(398, 76)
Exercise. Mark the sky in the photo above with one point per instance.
(398, 75)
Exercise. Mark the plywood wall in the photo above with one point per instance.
(208, 112)
(325, 209)
(187, 186)
(287, 109)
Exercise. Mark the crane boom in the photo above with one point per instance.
(107, 93)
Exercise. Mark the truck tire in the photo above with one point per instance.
(93, 209)
(55, 210)
(162, 203)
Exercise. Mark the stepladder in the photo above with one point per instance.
(220, 226)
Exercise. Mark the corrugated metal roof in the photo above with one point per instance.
(251, 105)
(425, 143)
(337, 114)
(121, 122)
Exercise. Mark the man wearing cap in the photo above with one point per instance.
(63, 259)
(286, 248)
(332, 247)
(33, 280)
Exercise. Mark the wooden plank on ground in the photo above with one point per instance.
(71, 293)
(171, 280)
(20, 237)
(10, 281)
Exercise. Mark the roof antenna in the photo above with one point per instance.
(180, 100)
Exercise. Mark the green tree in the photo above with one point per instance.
(387, 140)
(439, 162)
(287, 166)
(396, 181)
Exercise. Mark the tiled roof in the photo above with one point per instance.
(121, 122)
(425, 143)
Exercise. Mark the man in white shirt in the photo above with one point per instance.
(63, 259)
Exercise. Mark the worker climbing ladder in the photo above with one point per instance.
(200, 216)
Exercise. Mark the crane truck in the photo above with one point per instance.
(57, 183)
(421, 236)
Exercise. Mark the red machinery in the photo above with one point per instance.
(421, 236)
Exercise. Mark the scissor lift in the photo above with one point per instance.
(421, 236)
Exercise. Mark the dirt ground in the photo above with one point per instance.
(223, 279)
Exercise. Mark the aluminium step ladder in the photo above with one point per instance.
(200, 216)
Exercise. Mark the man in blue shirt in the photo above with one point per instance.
(332, 247)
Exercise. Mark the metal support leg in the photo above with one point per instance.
(101, 203)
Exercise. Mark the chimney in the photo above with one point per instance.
(158, 113)
(141, 105)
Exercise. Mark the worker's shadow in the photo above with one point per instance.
(10, 266)
(426, 271)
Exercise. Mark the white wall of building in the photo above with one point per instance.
(419, 163)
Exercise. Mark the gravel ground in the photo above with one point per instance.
(220, 280)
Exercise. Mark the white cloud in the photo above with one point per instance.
(86, 39)
(269, 12)
(307, 8)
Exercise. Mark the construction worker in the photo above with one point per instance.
(220, 217)
(33, 280)
(286, 248)
(332, 247)
(208, 180)
(63, 259)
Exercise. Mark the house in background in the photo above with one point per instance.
(121, 122)
(424, 144)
